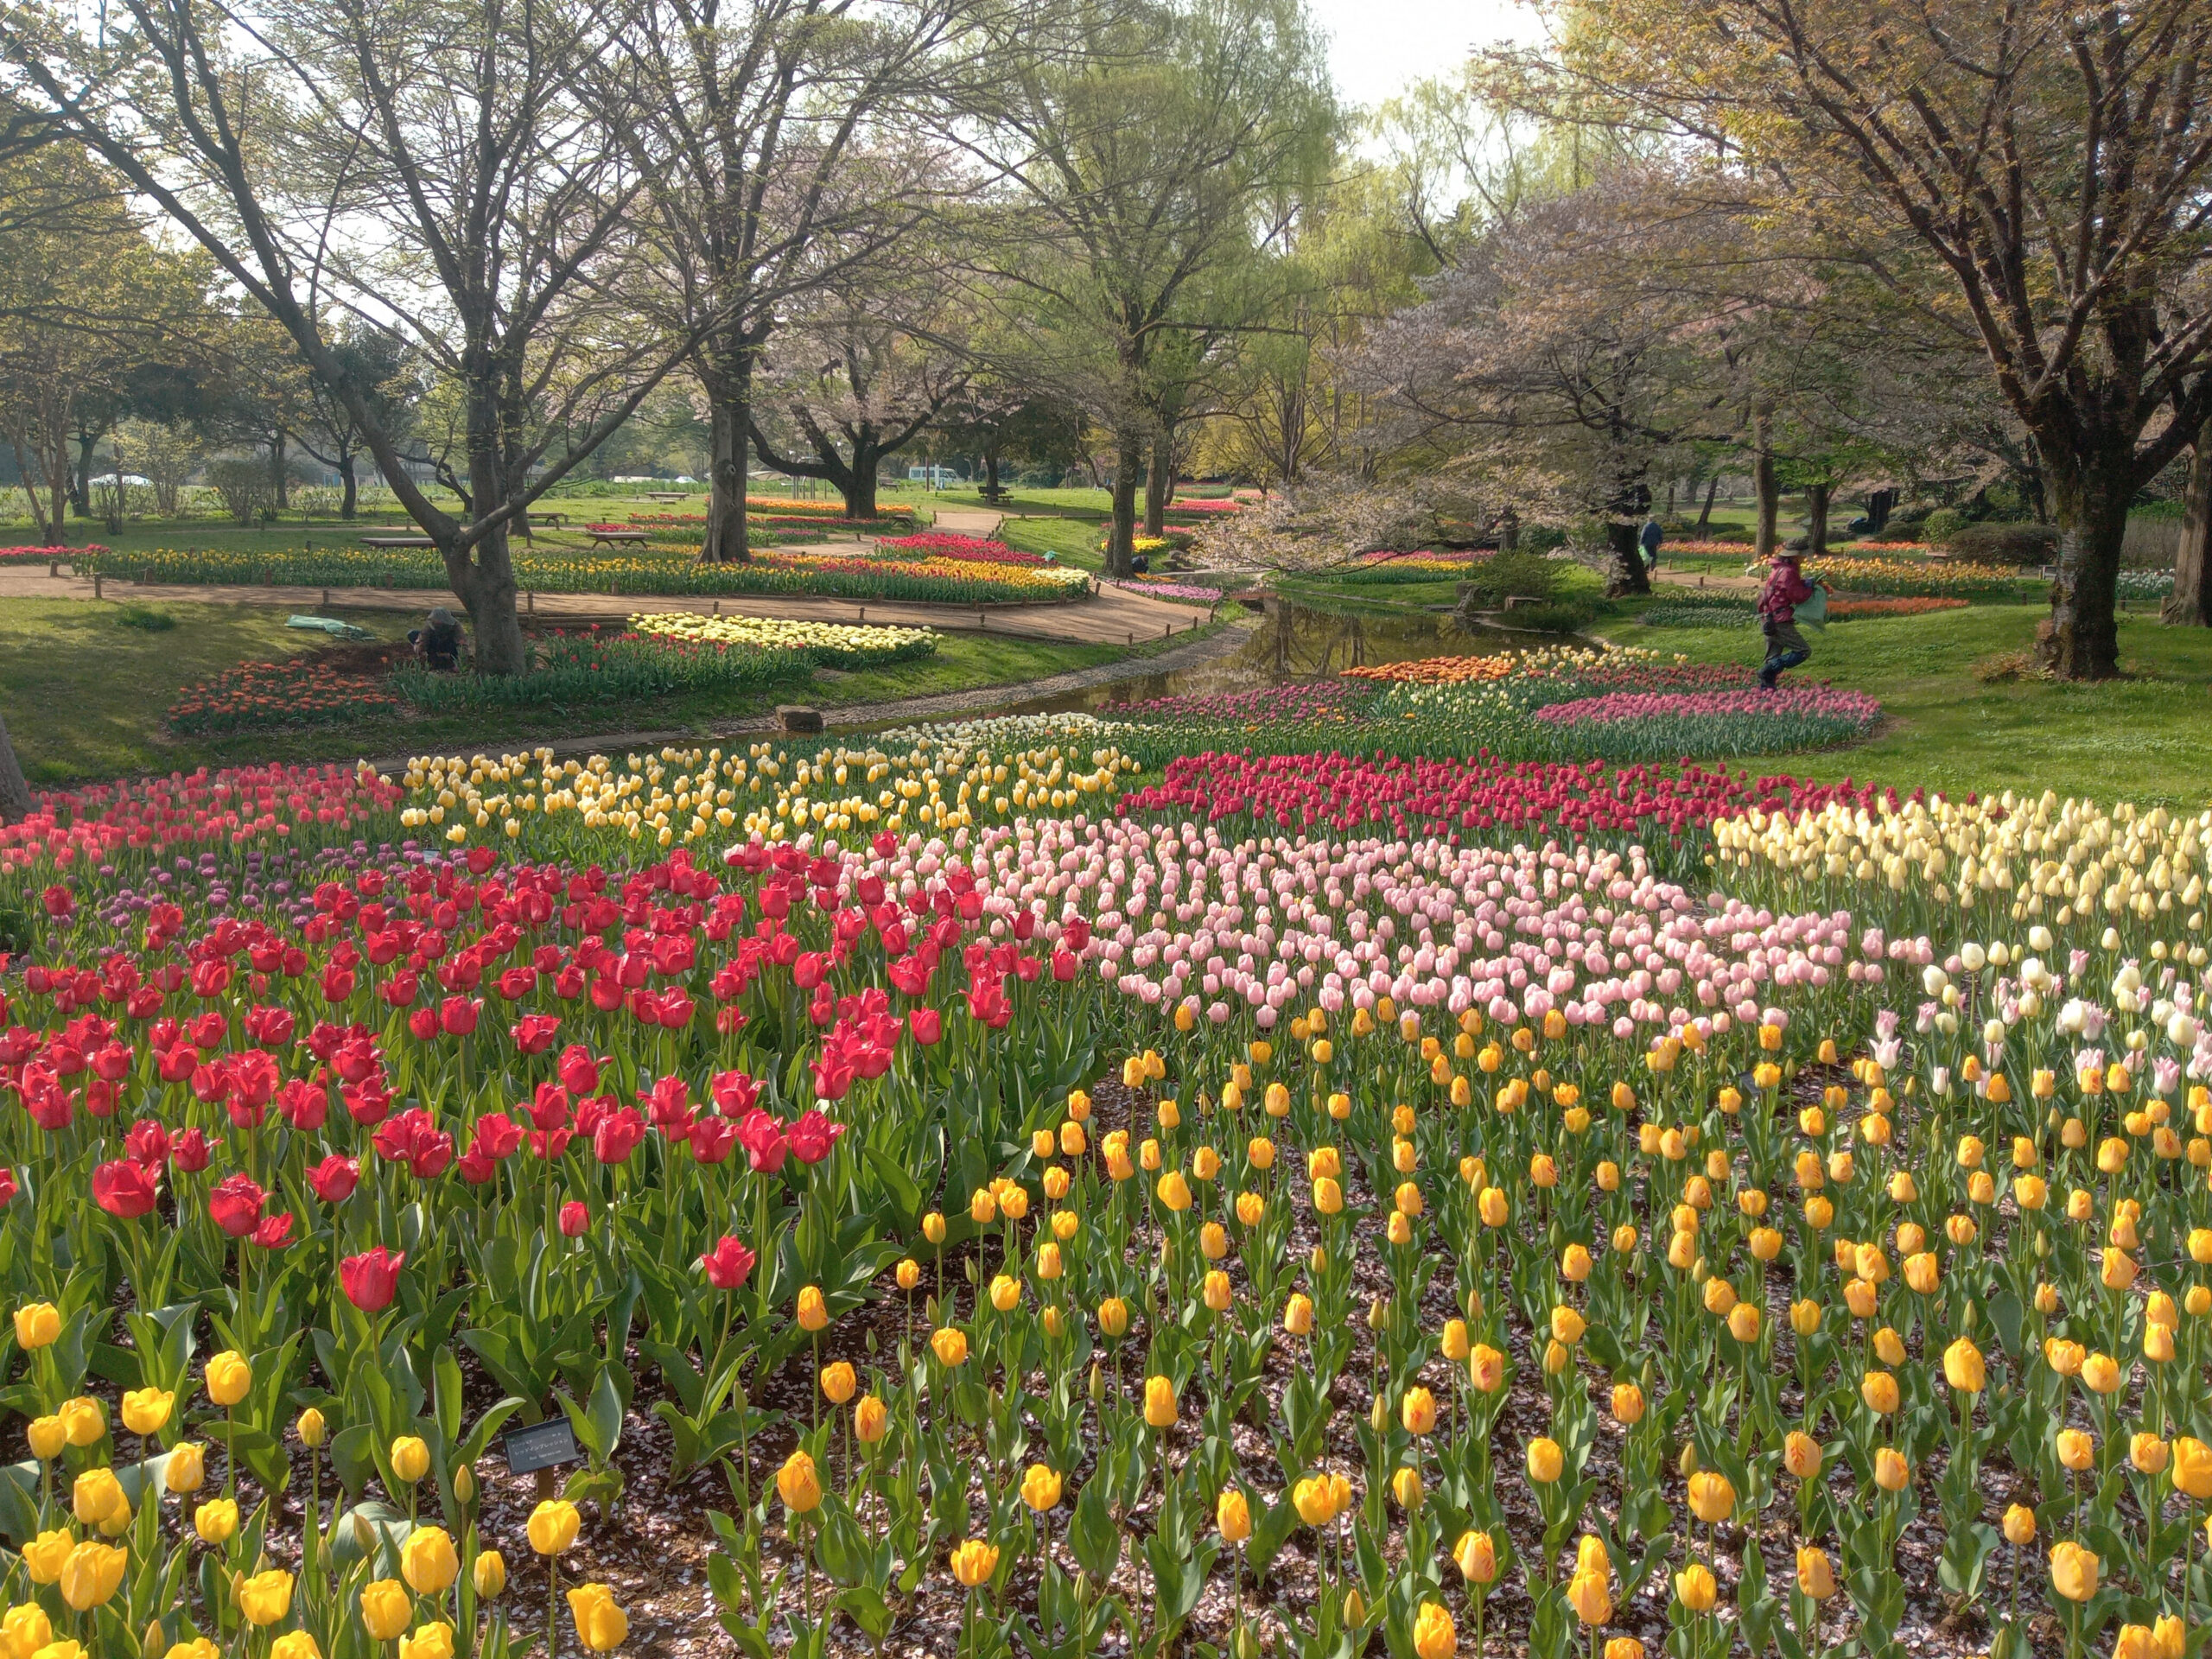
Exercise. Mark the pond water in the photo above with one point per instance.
(1292, 642)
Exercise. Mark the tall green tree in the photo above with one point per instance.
(1132, 146)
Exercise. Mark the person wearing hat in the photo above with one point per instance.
(438, 642)
(1786, 589)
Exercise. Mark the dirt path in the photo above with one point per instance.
(1115, 616)
(939, 707)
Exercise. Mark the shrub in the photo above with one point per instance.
(246, 489)
(2005, 544)
(1943, 523)
(1490, 582)
(144, 618)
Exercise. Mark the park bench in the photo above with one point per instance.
(616, 538)
(666, 496)
(552, 520)
(397, 541)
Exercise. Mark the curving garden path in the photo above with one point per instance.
(1115, 616)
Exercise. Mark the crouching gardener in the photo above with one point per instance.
(437, 643)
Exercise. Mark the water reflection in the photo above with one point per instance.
(1290, 642)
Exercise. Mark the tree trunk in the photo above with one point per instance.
(349, 480)
(1704, 514)
(728, 396)
(1769, 500)
(1816, 518)
(81, 481)
(1630, 574)
(279, 479)
(2091, 493)
(485, 585)
(1509, 533)
(1159, 483)
(1121, 542)
(2190, 604)
(991, 476)
(859, 484)
(1879, 505)
(15, 793)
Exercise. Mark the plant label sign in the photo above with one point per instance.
(540, 1446)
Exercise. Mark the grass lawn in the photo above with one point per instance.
(2144, 737)
(84, 694)
(1072, 541)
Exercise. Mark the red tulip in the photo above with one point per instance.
(458, 1015)
(727, 1264)
(372, 1279)
(762, 1137)
(236, 1203)
(334, 1178)
(618, 1135)
(60, 902)
(192, 1150)
(423, 1025)
(274, 1233)
(812, 1137)
(576, 1219)
(8, 1187)
(734, 1093)
(124, 1188)
(534, 1032)
(927, 1025)
(579, 1070)
(711, 1139)
(497, 1135)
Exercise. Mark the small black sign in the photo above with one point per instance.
(540, 1446)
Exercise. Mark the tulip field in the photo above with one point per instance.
(1068, 1185)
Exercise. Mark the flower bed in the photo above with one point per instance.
(1382, 1238)
(834, 645)
(934, 580)
(49, 555)
(1917, 578)
(1841, 610)
(105, 824)
(290, 693)
(1752, 722)
(604, 665)
(966, 550)
(1438, 670)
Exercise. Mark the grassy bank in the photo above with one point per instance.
(1960, 718)
(84, 693)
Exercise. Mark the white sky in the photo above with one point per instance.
(1376, 46)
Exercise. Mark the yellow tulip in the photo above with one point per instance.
(600, 1625)
(973, 1562)
(1434, 1635)
(1041, 1487)
(266, 1597)
(428, 1562)
(798, 1484)
(228, 1377)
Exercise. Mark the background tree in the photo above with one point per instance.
(434, 164)
(766, 129)
(1132, 143)
(858, 372)
(2048, 156)
(378, 368)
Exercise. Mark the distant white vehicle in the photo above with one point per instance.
(936, 477)
(131, 481)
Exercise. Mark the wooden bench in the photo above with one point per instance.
(665, 496)
(397, 541)
(556, 520)
(617, 538)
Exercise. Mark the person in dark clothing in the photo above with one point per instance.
(437, 643)
(1653, 534)
(1785, 590)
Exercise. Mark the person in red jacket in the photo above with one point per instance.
(1785, 590)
